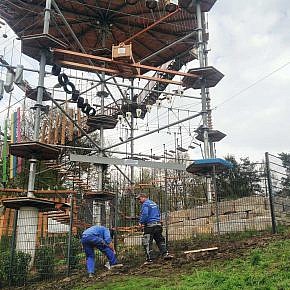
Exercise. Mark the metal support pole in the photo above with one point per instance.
(166, 207)
(207, 94)
(201, 57)
(40, 89)
(12, 245)
(203, 91)
(270, 188)
(116, 215)
(132, 204)
(216, 199)
(69, 244)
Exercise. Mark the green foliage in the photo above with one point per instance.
(45, 261)
(243, 180)
(18, 273)
(76, 250)
(255, 258)
(285, 180)
(5, 242)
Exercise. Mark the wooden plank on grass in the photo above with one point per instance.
(201, 250)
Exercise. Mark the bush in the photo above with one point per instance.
(18, 273)
(76, 249)
(45, 261)
(5, 242)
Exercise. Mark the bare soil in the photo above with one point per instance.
(182, 263)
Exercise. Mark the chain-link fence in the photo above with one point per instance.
(278, 170)
(44, 245)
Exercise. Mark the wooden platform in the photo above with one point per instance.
(99, 195)
(209, 76)
(102, 121)
(213, 136)
(32, 44)
(32, 94)
(41, 204)
(35, 150)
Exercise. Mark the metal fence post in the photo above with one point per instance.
(216, 199)
(166, 207)
(270, 190)
(12, 250)
(69, 245)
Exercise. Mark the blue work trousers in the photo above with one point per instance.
(91, 242)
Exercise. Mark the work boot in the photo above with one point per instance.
(108, 266)
(167, 256)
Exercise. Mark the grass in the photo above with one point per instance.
(261, 269)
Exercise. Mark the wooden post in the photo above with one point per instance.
(79, 121)
(71, 125)
(56, 129)
(63, 129)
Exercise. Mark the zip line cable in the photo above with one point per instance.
(252, 85)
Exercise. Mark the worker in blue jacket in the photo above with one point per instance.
(98, 237)
(150, 220)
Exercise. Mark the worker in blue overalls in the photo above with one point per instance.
(150, 221)
(101, 238)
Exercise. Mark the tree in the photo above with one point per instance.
(243, 180)
(285, 177)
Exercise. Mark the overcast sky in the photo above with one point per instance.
(249, 42)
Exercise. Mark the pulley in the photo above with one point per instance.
(19, 74)
(138, 112)
(148, 107)
(128, 115)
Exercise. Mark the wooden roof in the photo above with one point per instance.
(101, 24)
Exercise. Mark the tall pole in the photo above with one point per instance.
(40, 89)
(201, 58)
(204, 112)
(70, 232)
(208, 107)
(100, 174)
(28, 215)
(270, 188)
(132, 152)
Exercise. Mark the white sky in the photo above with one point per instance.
(249, 43)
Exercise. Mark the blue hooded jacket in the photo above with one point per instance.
(99, 231)
(149, 212)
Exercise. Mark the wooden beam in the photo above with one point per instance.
(151, 25)
(109, 60)
(86, 67)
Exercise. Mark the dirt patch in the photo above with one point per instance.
(182, 263)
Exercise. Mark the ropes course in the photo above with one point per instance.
(113, 76)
